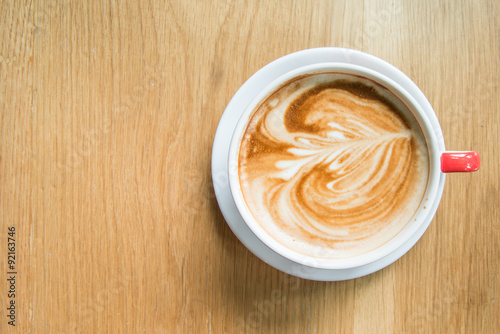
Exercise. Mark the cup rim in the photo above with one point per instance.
(420, 217)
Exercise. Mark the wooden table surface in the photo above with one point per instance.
(108, 115)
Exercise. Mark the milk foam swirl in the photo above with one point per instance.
(331, 167)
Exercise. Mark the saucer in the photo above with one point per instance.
(227, 123)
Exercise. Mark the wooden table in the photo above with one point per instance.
(108, 115)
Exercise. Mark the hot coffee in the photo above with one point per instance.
(332, 165)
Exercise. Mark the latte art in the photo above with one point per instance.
(332, 165)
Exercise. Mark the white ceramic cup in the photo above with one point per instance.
(439, 162)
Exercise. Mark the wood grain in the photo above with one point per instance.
(108, 114)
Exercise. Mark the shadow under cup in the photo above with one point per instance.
(421, 216)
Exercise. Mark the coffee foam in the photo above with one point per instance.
(332, 165)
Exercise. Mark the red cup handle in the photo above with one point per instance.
(452, 162)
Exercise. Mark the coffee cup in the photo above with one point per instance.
(381, 164)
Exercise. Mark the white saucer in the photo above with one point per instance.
(225, 131)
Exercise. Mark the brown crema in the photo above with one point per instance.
(332, 165)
